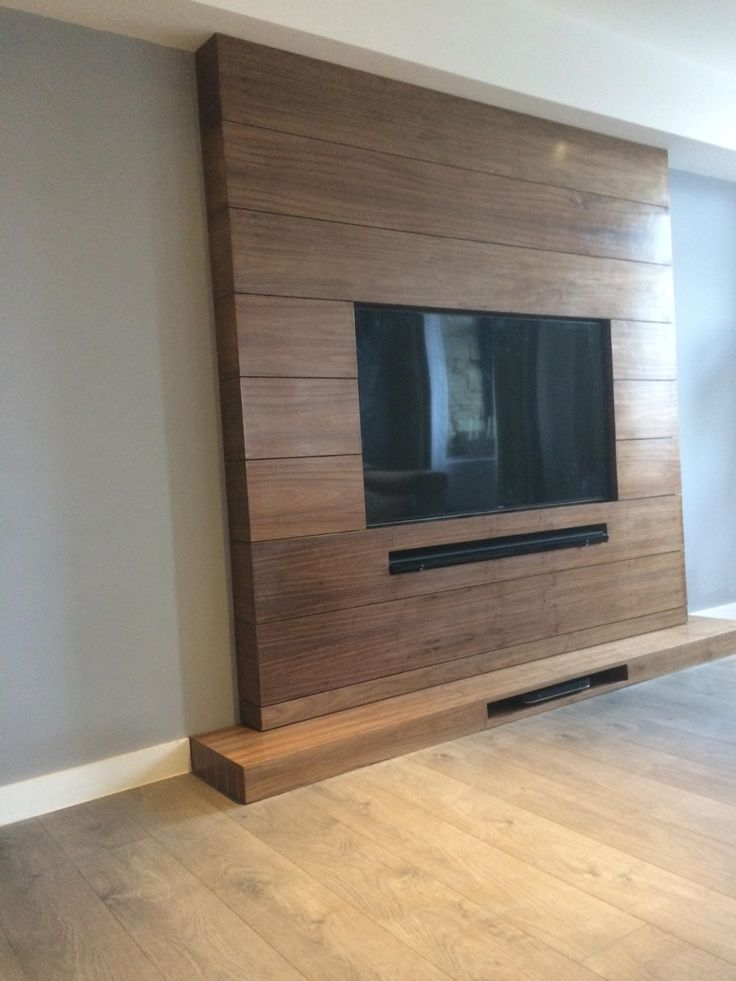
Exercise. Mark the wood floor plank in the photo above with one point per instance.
(650, 954)
(459, 789)
(718, 681)
(186, 931)
(606, 747)
(567, 845)
(728, 885)
(457, 935)
(651, 893)
(561, 916)
(625, 789)
(97, 826)
(646, 729)
(57, 926)
(699, 715)
(607, 817)
(10, 969)
(328, 938)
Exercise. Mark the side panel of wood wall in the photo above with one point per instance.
(326, 187)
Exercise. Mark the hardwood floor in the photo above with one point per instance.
(596, 840)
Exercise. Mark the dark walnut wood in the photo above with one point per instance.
(647, 466)
(311, 654)
(285, 417)
(376, 689)
(643, 351)
(259, 86)
(295, 175)
(328, 187)
(299, 577)
(286, 256)
(272, 418)
(305, 496)
(282, 337)
(645, 409)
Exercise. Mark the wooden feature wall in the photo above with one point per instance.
(327, 186)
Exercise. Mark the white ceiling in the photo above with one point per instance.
(656, 71)
(703, 31)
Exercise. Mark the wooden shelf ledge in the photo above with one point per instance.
(248, 765)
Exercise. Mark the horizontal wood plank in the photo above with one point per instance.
(305, 496)
(716, 636)
(261, 86)
(316, 653)
(274, 336)
(642, 350)
(375, 690)
(266, 418)
(647, 467)
(645, 409)
(285, 256)
(303, 576)
(295, 175)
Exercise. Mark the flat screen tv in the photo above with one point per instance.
(465, 413)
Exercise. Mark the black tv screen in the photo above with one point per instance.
(465, 413)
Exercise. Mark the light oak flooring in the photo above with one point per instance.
(593, 841)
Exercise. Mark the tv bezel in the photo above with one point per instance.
(609, 409)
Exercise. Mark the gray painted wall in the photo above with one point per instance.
(114, 617)
(704, 255)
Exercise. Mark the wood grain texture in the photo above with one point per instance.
(555, 913)
(645, 409)
(231, 412)
(647, 467)
(299, 577)
(328, 187)
(656, 895)
(650, 954)
(290, 417)
(56, 924)
(559, 855)
(221, 254)
(274, 336)
(328, 938)
(260, 86)
(306, 496)
(298, 754)
(598, 743)
(238, 512)
(295, 175)
(216, 177)
(349, 696)
(643, 351)
(683, 832)
(456, 933)
(10, 969)
(181, 926)
(285, 256)
(310, 654)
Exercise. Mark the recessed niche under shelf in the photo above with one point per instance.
(516, 705)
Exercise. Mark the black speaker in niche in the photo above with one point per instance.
(461, 553)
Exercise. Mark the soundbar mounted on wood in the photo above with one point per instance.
(460, 553)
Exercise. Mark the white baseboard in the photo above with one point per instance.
(726, 612)
(52, 791)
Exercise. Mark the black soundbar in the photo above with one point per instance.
(460, 553)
